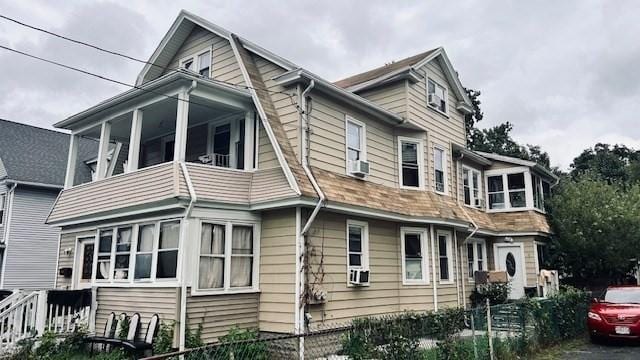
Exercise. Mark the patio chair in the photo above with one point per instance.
(109, 332)
(139, 347)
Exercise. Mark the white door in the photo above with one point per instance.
(84, 263)
(509, 259)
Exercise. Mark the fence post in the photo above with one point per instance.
(489, 330)
(473, 336)
(41, 312)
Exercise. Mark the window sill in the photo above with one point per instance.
(195, 292)
(447, 282)
(363, 178)
(415, 283)
(441, 192)
(438, 111)
(474, 207)
(144, 284)
(413, 188)
(511, 210)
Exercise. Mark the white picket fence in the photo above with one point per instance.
(24, 315)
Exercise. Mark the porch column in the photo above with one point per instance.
(182, 120)
(103, 149)
(71, 161)
(134, 141)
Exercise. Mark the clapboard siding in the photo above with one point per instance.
(277, 270)
(145, 301)
(143, 186)
(65, 260)
(269, 184)
(327, 141)
(224, 65)
(392, 97)
(32, 246)
(266, 154)
(219, 313)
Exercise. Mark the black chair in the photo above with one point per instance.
(109, 332)
(139, 347)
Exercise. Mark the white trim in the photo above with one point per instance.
(449, 244)
(76, 269)
(433, 267)
(445, 175)
(265, 122)
(363, 141)
(504, 173)
(449, 72)
(364, 247)
(299, 287)
(485, 258)
(420, 154)
(424, 251)
(7, 231)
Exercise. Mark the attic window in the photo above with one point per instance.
(187, 64)
(437, 96)
(204, 64)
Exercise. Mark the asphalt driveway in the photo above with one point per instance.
(611, 350)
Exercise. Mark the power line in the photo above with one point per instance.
(128, 57)
(103, 77)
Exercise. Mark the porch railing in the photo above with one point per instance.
(31, 314)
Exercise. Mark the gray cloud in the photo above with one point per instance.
(564, 73)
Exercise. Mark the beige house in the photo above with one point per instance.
(235, 188)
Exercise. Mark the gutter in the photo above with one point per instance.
(302, 238)
(184, 232)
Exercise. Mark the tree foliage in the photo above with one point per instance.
(596, 225)
(616, 163)
(470, 120)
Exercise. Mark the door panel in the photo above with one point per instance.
(509, 259)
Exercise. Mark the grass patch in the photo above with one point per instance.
(556, 351)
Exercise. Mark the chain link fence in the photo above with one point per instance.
(490, 332)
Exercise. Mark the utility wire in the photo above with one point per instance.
(111, 52)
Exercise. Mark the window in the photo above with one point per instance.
(471, 186)
(414, 256)
(356, 145)
(507, 191)
(144, 251)
(437, 96)
(104, 254)
(495, 190)
(517, 191)
(3, 200)
(539, 191)
(411, 162)
(476, 256)
(187, 64)
(204, 64)
(224, 264)
(542, 255)
(439, 165)
(445, 257)
(122, 253)
(357, 245)
(168, 250)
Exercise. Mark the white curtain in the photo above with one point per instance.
(211, 269)
(104, 269)
(241, 266)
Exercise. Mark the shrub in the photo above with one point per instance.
(497, 293)
(245, 349)
(163, 342)
(193, 339)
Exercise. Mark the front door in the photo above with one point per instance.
(509, 259)
(84, 263)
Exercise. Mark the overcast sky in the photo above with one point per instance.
(565, 73)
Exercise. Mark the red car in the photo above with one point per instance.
(616, 314)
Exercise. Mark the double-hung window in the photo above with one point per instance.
(437, 96)
(476, 257)
(471, 186)
(357, 245)
(103, 268)
(167, 262)
(445, 256)
(356, 143)
(227, 256)
(3, 200)
(144, 251)
(415, 269)
(538, 191)
(542, 255)
(204, 64)
(122, 253)
(411, 162)
(439, 166)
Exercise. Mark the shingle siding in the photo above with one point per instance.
(32, 245)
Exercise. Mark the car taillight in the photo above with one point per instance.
(594, 316)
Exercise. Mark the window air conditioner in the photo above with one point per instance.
(359, 277)
(480, 203)
(434, 100)
(359, 168)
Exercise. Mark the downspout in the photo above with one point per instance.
(302, 321)
(7, 225)
(185, 232)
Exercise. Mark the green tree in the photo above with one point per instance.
(470, 120)
(616, 163)
(596, 223)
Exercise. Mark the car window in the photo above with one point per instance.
(622, 296)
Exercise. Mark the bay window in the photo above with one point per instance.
(509, 190)
(137, 252)
(411, 162)
(540, 191)
(517, 191)
(227, 256)
(415, 269)
(476, 257)
(471, 186)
